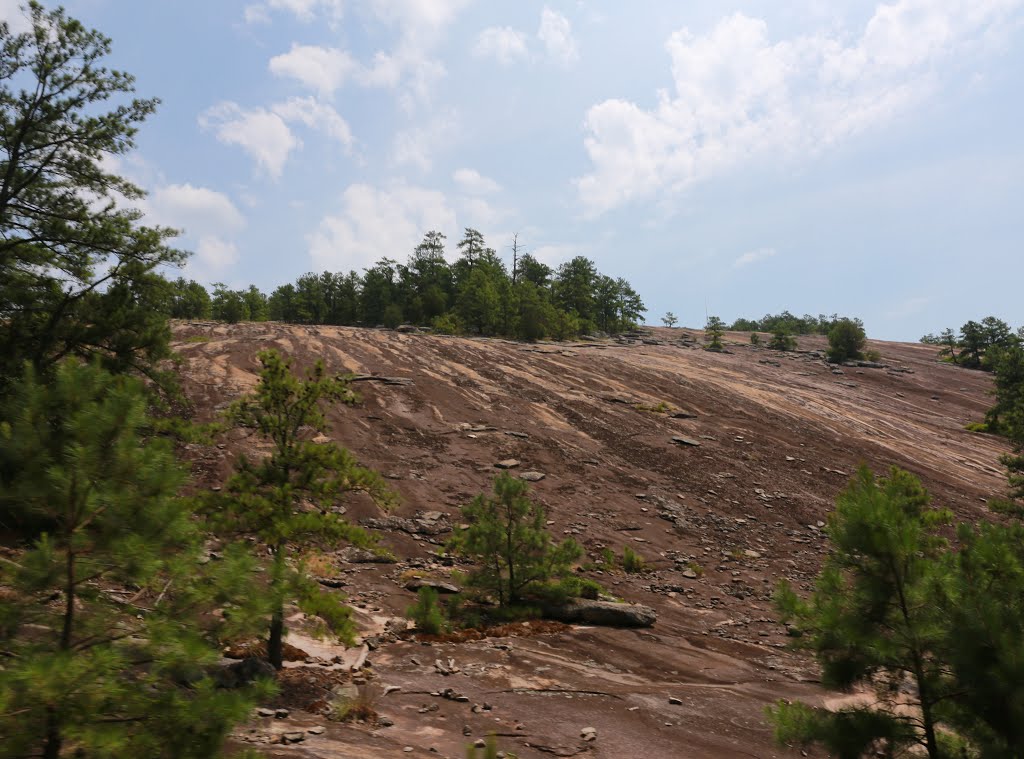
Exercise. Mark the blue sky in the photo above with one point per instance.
(853, 157)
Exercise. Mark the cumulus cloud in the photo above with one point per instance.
(738, 96)
(473, 182)
(194, 210)
(374, 222)
(323, 69)
(265, 134)
(503, 43)
(214, 255)
(318, 116)
(556, 33)
(261, 133)
(753, 257)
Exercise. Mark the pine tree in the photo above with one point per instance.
(104, 656)
(286, 499)
(78, 272)
(873, 621)
(508, 535)
(982, 603)
(713, 332)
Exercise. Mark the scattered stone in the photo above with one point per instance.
(355, 555)
(589, 734)
(520, 435)
(281, 713)
(318, 730)
(673, 701)
(682, 415)
(295, 737)
(264, 712)
(507, 464)
(532, 476)
(385, 722)
(680, 440)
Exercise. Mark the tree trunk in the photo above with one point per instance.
(275, 643)
(54, 740)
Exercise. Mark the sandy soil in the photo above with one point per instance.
(779, 435)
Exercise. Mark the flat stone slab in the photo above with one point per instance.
(680, 440)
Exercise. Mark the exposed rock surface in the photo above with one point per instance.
(716, 525)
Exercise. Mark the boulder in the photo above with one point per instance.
(426, 582)
(245, 672)
(680, 440)
(603, 613)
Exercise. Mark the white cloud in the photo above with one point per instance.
(375, 222)
(418, 146)
(16, 18)
(753, 257)
(195, 210)
(323, 69)
(256, 14)
(418, 18)
(473, 182)
(261, 133)
(265, 133)
(316, 115)
(556, 33)
(739, 97)
(214, 255)
(503, 43)
(304, 10)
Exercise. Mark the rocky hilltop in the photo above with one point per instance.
(718, 469)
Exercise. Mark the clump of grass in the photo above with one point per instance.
(362, 707)
(608, 558)
(632, 562)
(197, 339)
(977, 427)
(696, 568)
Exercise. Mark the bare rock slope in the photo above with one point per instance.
(718, 469)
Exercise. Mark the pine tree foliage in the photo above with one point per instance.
(507, 535)
(982, 601)
(104, 654)
(78, 272)
(872, 620)
(286, 499)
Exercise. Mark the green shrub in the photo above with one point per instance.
(447, 324)
(782, 340)
(427, 613)
(608, 558)
(846, 341)
(755, 338)
(632, 562)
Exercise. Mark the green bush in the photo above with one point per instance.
(846, 341)
(632, 562)
(782, 340)
(755, 338)
(427, 613)
(447, 324)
